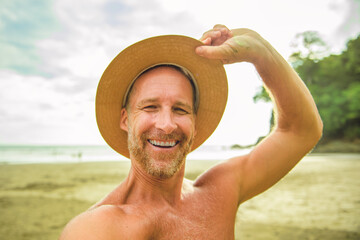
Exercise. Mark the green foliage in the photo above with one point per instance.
(237, 146)
(262, 95)
(308, 45)
(334, 82)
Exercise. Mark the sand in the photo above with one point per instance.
(319, 199)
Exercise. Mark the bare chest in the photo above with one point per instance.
(200, 222)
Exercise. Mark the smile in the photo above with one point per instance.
(163, 144)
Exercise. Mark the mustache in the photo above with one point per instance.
(160, 135)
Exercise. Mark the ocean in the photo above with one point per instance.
(20, 154)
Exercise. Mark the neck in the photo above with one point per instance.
(142, 186)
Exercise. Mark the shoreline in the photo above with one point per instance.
(318, 199)
(122, 159)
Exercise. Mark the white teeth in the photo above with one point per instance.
(162, 144)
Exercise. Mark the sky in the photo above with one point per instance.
(53, 53)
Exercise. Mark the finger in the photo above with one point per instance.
(211, 52)
(217, 26)
(214, 38)
(207, 41)
(211, 34)
(223, 29)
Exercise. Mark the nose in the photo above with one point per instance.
(165, 122)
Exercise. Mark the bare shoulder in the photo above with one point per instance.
(224, 178)
(105, 222)
(222, 172)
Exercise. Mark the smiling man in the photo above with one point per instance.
(163, 97)
(161, 125)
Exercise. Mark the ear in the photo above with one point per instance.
(124, 120)
(195, 132)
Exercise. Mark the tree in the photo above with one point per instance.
(334, 82)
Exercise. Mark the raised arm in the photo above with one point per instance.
(298, 125)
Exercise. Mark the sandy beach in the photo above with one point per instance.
(319, 199)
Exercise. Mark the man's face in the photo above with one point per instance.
(160, 121)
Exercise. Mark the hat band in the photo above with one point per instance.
(185, 71)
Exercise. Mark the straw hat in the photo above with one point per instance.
(209, 75)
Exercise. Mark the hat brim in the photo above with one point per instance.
(209, 75)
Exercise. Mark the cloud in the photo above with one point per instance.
(55, 60)
(22, 23)
(347, 25)
(92, 33)
(56, 51)
(32, 110)
(351, 23)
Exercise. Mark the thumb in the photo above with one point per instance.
(211, 52)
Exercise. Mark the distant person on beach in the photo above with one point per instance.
(161, 98)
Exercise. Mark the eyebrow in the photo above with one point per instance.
(147, 101)
(155, 100)
(181, 104)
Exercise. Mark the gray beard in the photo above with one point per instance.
(138, 152)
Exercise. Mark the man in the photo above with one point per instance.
(163, 104)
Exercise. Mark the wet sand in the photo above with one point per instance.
(319, 199)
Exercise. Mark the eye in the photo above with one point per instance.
(181, 111)
(150, 108)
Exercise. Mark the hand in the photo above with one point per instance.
(232, 46)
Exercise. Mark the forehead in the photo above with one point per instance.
(162, 81)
